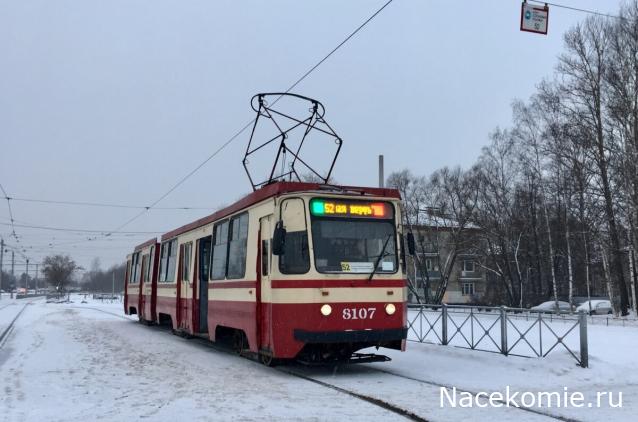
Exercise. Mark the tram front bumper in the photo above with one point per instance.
(351, 336)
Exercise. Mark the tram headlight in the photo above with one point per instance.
(390, 309)
(326, 310)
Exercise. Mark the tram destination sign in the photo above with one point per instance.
(534, 18)
(330, 207)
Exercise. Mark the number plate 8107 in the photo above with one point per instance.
(358, 313)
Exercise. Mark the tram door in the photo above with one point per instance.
(264, 305)
(184, 287)
(203, 260)
(143, 278)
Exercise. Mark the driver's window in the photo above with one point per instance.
(296, 257)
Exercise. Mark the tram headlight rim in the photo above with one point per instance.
(326, 310)
(390, 309)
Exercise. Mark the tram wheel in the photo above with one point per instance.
(266, 359)
(239, 342)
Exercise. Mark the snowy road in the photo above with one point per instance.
(72, 362)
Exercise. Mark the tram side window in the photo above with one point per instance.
(146, 259)
(163, 261)
(296, 256)
(128, 272)
(149, 262)
(186, 261)
(167, 261)
(237, 246)
(136, 268)
(220, 251)
(172, 255)
(264, 257)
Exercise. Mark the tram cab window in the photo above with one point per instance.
(296, 257)
(352, 236)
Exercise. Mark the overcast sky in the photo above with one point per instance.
(115, 101)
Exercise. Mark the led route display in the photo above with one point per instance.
(320, 207)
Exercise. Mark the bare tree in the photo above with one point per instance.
(58, 270)
(583, 67)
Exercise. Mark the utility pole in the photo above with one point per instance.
(1, 259)
(113, 285)
(13, 263)
(26, 279)
(36, 278)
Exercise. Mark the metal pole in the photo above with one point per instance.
(113, 285)
(444, 324)
(13, 263)
(633, 279)
(503, 331)
(584, 350)
(381, 178)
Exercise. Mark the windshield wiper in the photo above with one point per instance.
(379, 258)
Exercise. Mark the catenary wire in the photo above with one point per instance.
(577, 9)
(248, 124)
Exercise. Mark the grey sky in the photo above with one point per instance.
(115, 101)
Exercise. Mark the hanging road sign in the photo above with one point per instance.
(534, 18)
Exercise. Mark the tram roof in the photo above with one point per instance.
(276, 189)
(149, 242)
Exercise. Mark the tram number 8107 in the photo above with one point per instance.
(358, 313)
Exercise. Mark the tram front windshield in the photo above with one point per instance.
(350, 237)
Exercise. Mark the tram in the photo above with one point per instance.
(294, 270)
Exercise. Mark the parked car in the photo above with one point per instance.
(550, 306)
(598, 307)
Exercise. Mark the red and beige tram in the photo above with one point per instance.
(293, 270)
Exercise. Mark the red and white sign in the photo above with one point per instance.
(534, 18)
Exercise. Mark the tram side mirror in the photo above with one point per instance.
(411, 245)
(279, 239)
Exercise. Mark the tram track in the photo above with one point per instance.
(369, 399)
(6, 306)
(9, 328)
(227, 350)
(398, 410)
(461, 390)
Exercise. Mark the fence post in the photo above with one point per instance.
(584, 350)
(444, 324)
(503, 331)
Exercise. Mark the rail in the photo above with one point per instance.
(499, 330)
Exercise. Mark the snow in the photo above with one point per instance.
(70, 362)
(79, 361)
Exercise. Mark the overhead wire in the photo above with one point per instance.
(101, 204)
(577, 9)
(249, 123)
(200, 165)
(13, 230)
(66, 229)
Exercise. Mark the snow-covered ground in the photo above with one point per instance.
(80, 361)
